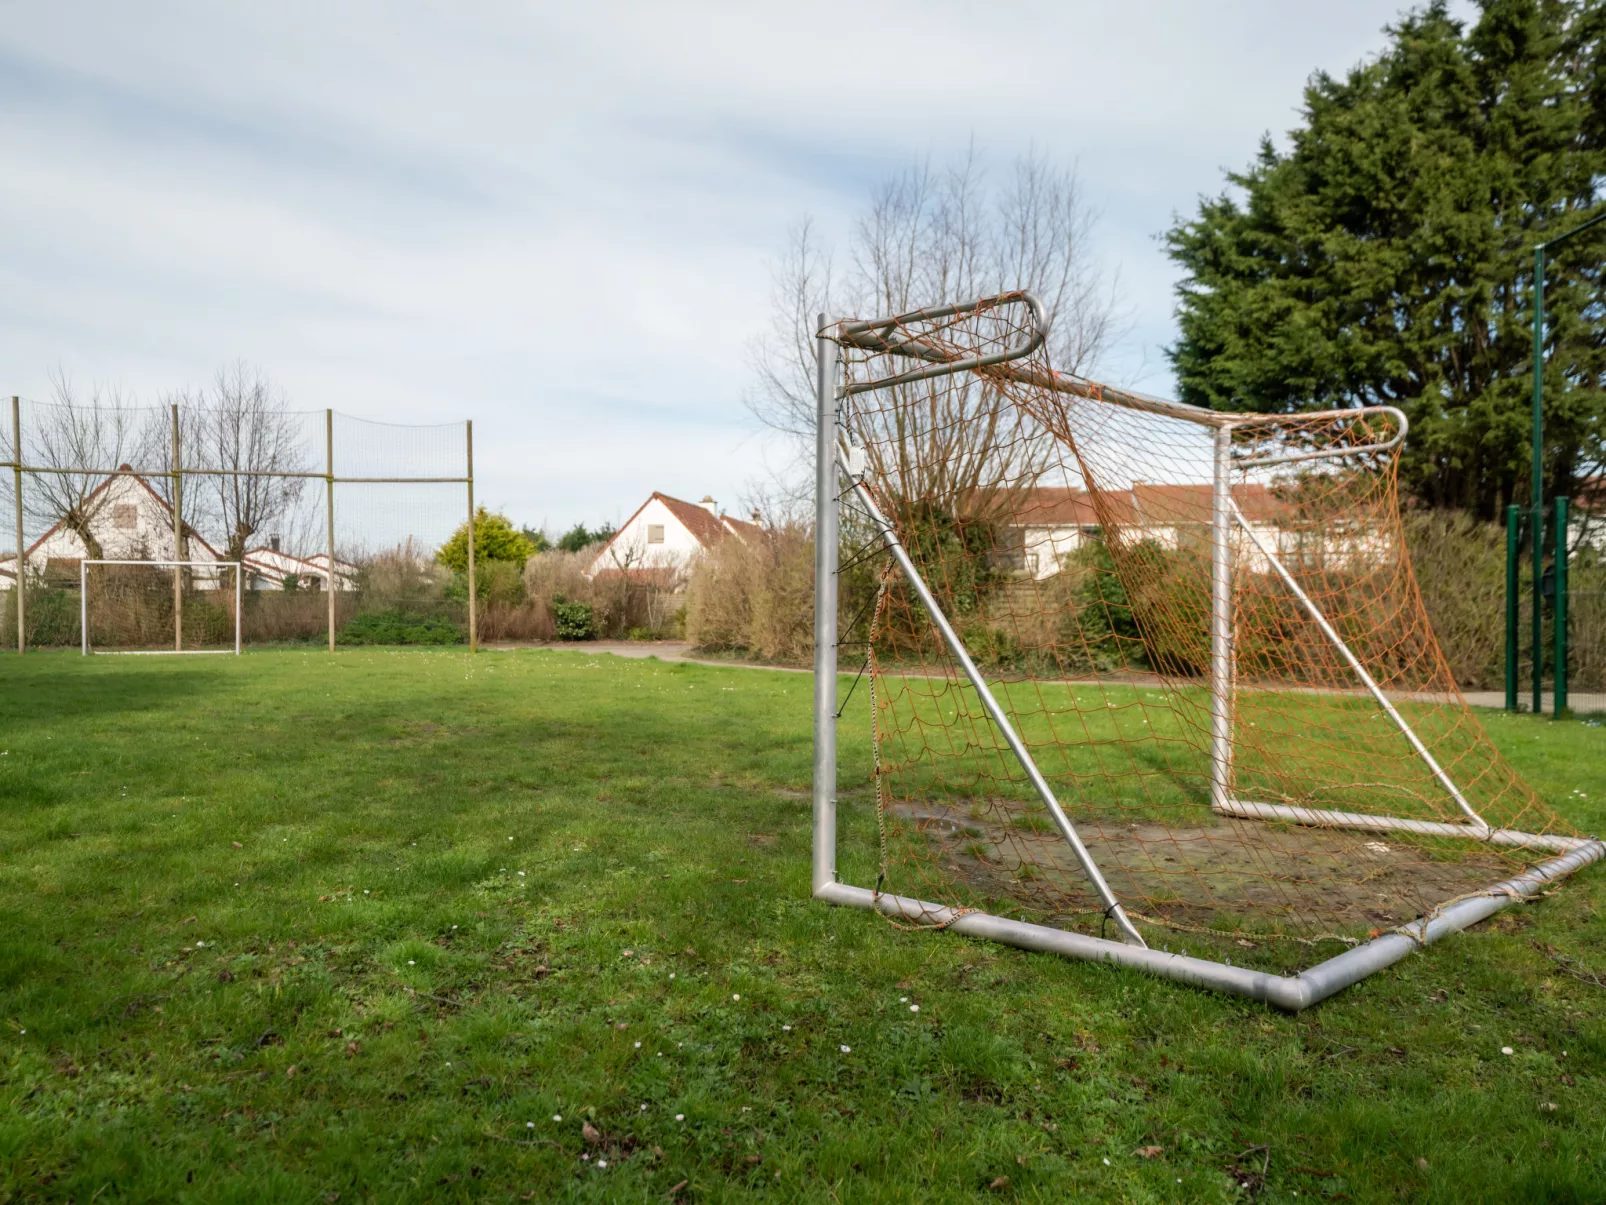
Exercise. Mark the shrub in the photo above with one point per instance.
(756, 598)
(397, 626)
(499, 583)
(575, 620)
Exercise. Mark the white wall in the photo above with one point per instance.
(630, 547)
(150, 537)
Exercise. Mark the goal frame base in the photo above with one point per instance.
(1291, 993)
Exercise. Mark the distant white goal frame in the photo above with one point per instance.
(178, 649)
(837, 459)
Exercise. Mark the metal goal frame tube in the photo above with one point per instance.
(21, 563)
(1017, 746)
(872, 335)
(1221, 651)
(1331, 818)
(1482, 826)
(826, 511)
(1288, 992)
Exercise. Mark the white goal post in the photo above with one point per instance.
(841, 473)
(177, 649)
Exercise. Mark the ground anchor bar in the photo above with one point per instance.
(1288, 992)
(1330, 818)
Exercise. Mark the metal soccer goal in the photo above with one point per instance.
(138, 587)
(1142, 674)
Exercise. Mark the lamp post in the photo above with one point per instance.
(1537, 488)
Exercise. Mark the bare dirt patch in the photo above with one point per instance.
(1241, 873)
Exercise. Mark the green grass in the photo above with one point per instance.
(385, 1008)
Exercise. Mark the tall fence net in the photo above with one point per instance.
(1071, 536)
(325, 527)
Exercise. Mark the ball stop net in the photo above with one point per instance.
(1144, 678)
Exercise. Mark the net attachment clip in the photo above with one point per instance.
(855, 461)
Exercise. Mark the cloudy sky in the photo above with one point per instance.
(558, 220)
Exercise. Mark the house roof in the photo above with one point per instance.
(280, 561)
(1062, 506)
(128, 472)
(741, 528)
(706, 528)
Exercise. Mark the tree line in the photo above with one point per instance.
(1384, 256)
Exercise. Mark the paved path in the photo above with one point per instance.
(640, 650)
(679, 650)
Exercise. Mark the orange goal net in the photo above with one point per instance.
(1147, 673)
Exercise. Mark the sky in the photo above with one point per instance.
(560, 221)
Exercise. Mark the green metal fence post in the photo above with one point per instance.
(1513, 558)
(1558, 612)
(1537, 489)
(1536, 495)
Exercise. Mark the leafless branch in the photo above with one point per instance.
(73, 432)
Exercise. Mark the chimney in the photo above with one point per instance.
(710, 505)
(273, 543)
(757, 518)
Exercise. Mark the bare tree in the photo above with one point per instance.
(68, 436)
(240, 426)
(932, 235)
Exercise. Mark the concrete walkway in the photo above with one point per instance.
(639, 650)
(679, 650)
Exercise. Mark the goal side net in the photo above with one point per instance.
(1148, 684)
(149, 606)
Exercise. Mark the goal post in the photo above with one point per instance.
(215, 573)
(1161, 706)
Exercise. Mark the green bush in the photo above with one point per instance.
(52, 618)
(495, 539)
(575, 620)
(499, 583)
(395, 626)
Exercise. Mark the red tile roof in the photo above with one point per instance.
(1061, 506)
(704, 527)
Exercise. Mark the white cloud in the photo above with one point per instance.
(556, 219)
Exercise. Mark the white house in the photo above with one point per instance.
(1049, 524)
(132, 522)
(664, 535)
(270, 566)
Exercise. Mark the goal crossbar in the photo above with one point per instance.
(838, 459)
(178, 646)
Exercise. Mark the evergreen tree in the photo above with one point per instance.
(1386, 256)
(495, 539)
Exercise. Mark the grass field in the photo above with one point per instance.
(296, 927)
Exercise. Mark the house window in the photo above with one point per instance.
(125, 516)
(655, 533)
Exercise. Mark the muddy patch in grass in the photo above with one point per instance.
(1227, 875)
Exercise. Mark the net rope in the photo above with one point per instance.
(1068, 540)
